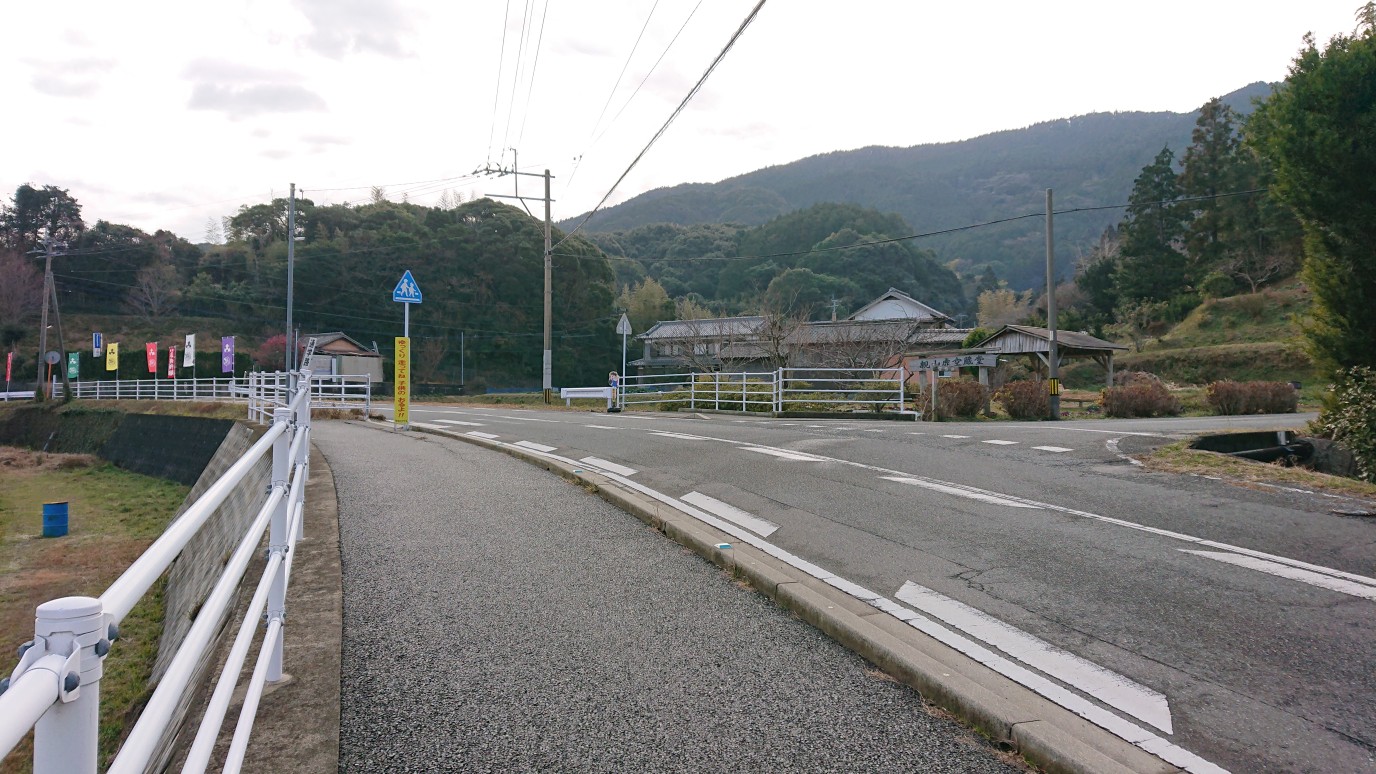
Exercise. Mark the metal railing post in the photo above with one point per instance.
(277, 537)
(692, 392)
(303, 460)
(65, 738)
(743, 392)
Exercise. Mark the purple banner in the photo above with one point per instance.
(227, 354)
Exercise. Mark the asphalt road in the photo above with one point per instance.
(497, 618)
(1237, 622)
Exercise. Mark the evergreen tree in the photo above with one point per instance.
(1319, 130)
(1152, 264)
(1210, 169)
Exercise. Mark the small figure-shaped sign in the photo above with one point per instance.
(613, 403)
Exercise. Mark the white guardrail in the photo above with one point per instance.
(784, 389)
(55, 689)
(262, 390)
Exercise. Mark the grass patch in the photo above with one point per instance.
(1180, 458)
(114, 516)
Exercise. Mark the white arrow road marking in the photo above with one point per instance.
(1001, 443)
(536, 446)
(958, 492)
(785, 455)
(1056, 449)
(457, 422)
(682, 436)
(1111, 688)
(1293, 573)
(731, 513)
(597, 462)
(477, 434)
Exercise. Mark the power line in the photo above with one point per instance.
(516, 74)
(497, 93)
(539, 43)
(692, 93)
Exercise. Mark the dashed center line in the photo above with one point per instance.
(1056, 449)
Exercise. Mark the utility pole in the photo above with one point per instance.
(1053, 356)
(549, 302)
(547, 364)
(61, 340)
(289, 362)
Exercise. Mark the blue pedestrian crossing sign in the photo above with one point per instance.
(406, 291)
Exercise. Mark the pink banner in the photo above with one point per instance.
(152, 349)
(171, 361)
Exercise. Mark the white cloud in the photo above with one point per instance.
(241, 101)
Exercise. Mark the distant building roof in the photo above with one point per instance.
(337, 343)
(712, 327)
(1022, 339)
(853, 332)
(895, 304)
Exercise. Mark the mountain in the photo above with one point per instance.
(1089, 161)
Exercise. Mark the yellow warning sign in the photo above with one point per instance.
(401, 391)
(1053, 386)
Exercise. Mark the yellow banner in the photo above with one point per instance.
(112, 357)
(401, 391)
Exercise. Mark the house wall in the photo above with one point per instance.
(891, 309)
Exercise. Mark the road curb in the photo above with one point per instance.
(1044, 733)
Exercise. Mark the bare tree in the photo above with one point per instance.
(430, 354)
(1255, 270)
(857, 345)
(155, 292)
(1002, 307)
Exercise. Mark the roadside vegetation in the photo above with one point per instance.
(113, 516)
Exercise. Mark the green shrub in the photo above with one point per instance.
(1231, 398)
(956, 398)
(1217, 285)
(1025, 399)
(1350, 418)
(1140, 399)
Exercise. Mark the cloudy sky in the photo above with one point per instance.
(167, 114)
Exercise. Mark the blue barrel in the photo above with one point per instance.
(54, 519)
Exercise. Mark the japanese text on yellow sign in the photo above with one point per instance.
(401, 392)
(112, 357)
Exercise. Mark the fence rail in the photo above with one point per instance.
(55, 689)
(785, 389)
(264, 391)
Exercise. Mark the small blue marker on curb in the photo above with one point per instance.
(723, 545)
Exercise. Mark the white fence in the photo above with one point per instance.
(786, 389)
(264, 391)
(55, 689)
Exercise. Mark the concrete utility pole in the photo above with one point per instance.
(43, 323)
(61, 339)
(289, 362)
(547, 365)
(549, 302)
(1053, 356)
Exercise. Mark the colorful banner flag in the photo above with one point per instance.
(189, 351)
(151, 349)
(227, 354)
(73, 365)
(401, 388)
(112, 356)
(9, 365)
(171, 361)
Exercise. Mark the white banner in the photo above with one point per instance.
(189, 352)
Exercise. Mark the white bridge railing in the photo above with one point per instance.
(264, 391)
(784, 389)
(55, 689)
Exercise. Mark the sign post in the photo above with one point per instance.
(623, 327)
(97, 344)
(406, 292)
(309, 353)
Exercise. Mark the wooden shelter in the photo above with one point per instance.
(1036, 343)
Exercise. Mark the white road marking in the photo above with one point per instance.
(1293, 573)
(477, 434)
(602, 427)
(816, 426)
(524, 419)
(428, 426)
(1109, 687)
(874, 430)
(611, 467)
(1112, 723)
(1001, 443)
(955, 436)
(783, 454)
(1112, 445)
(457, 422)
(960, 492)
(682, 436)
(911, 433)
(536, 446)
(1114, 432)
(731, 513)
(1056, 449)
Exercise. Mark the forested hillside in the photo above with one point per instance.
(1089, 161)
